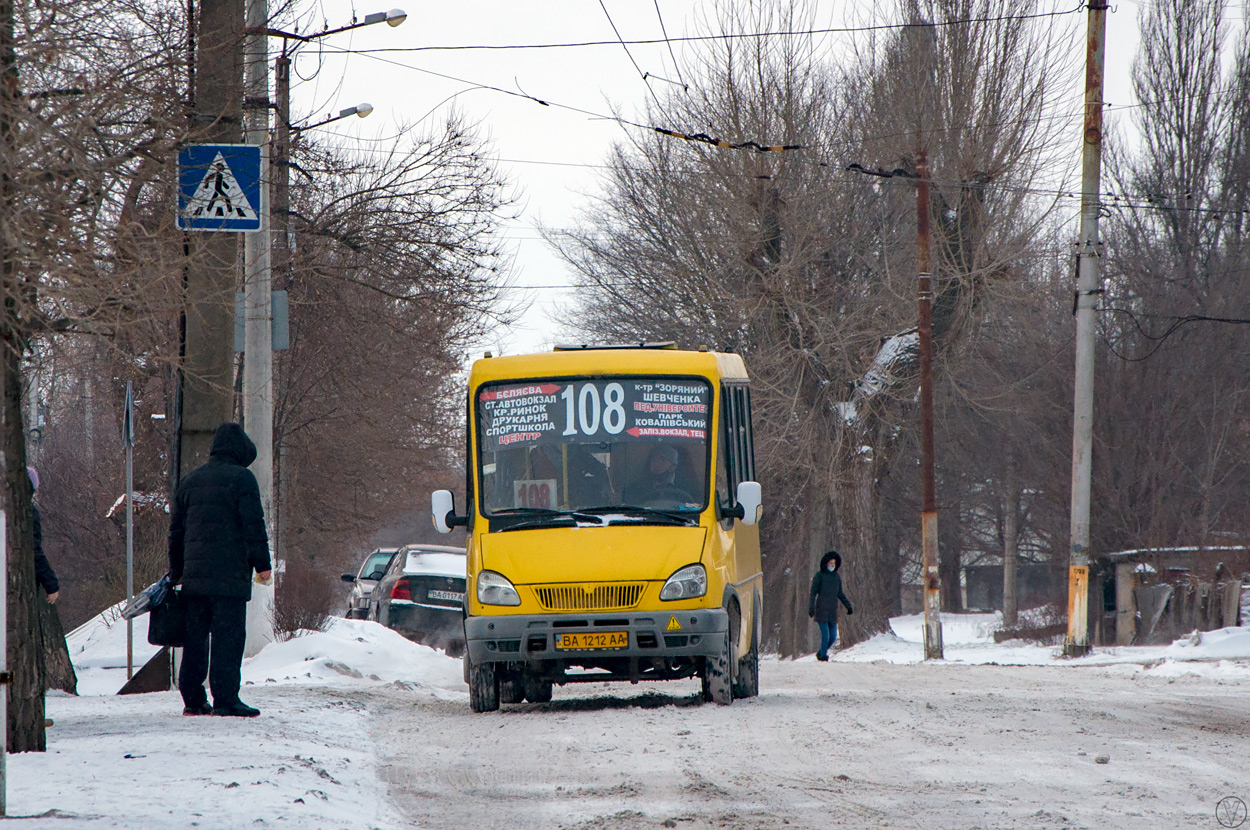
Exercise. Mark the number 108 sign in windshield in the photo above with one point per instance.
(536, 413)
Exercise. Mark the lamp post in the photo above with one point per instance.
(258, 385)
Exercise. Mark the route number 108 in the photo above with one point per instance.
(592, 412)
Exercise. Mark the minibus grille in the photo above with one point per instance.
(609, 597)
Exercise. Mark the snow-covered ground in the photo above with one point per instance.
(361, 728)
(969, 639)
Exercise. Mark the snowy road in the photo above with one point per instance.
(364, 730)
(830, 745)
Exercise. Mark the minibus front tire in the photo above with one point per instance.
(511, 689)
(483, 687)
(717, 679)
(747, 683)
(536, 689)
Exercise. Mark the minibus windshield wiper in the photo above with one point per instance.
(631, 510)
(519, 518)
(547, 512)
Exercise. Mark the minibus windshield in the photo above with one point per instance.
(603, 449)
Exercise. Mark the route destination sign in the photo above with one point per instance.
(603, 409)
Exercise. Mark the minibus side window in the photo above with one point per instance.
(748, 436)
(724, 493)
(738, 451)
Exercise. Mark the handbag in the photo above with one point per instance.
(167, 622)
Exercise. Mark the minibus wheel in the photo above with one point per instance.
(511, 689)
(483, 687)
(748, 683)
(717, 682)
(537, 690)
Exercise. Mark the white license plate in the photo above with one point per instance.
(451, 596)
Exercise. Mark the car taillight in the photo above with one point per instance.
(401, 590)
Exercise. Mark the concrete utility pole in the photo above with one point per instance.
(258, 304)
(1087, 291)
(258, 311)
(928, 518)
(276, 161)
(208, 364)
(280, 209)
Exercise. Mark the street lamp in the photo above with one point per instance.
(360, 111)
(258, 384)
(393, 18)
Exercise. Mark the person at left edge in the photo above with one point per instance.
(44, 575)
(217, 539)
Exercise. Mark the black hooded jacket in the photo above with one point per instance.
(43, 570)
(827, 591)
(217, 530)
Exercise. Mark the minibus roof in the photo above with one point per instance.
(589, 362)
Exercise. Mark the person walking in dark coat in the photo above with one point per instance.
(44, 575)
(823, 605)
(217, 539)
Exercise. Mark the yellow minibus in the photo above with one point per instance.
(612, 523)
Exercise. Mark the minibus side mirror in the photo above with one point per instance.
(443, 510)
(348, 577)
(750, 501)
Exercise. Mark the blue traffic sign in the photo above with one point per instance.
(219, 188)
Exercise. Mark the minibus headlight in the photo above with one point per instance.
(688, 583)
(495, 589)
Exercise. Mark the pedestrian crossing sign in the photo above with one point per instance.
(219, 188)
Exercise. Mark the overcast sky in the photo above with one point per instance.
(551, 155)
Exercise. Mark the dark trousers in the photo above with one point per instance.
(216, 628)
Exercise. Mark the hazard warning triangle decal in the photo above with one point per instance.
(673, 625)
(219, 196)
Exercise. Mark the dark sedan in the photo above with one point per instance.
(421, 596)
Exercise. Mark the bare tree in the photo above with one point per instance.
(808, 270)
(1174, 428)
(397, 270)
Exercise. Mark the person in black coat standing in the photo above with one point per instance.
(44, 575)
(823, 605)
(217, 539)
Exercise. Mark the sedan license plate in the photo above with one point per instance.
(450, 596)
(592, 640)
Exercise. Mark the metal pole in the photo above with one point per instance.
(128, 433)
(1087, 290)
(4, 662)
(928, 518)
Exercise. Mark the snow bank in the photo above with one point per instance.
(97, 648)
(355, 651)
(307, 761)
(969, 639)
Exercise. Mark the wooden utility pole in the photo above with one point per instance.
(1011, 559)
(928, 518)
(1089, 249)
(207, 391)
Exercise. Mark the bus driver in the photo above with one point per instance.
(659, 481)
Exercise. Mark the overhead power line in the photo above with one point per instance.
(831, 30)
(1160, 339)
(701, 138)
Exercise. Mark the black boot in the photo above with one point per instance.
(238, 709)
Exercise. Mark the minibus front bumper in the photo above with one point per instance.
(581, 639)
